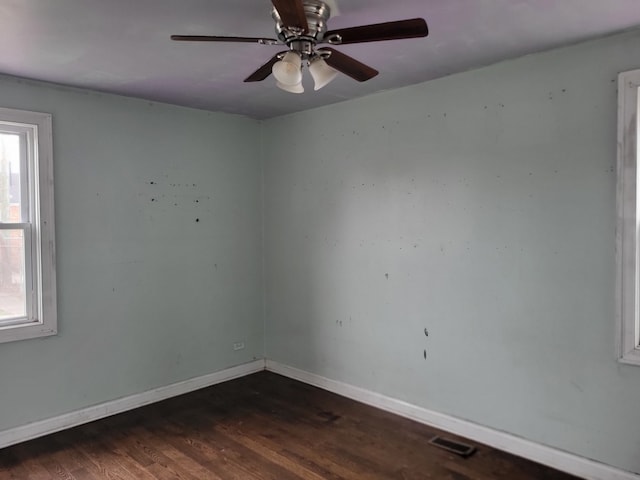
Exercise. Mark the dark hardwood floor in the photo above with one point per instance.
(259, 427)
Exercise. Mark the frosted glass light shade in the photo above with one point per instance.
(322, 73)
(297, 88)
(288, 71)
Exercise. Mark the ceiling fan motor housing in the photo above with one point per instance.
(317, 14)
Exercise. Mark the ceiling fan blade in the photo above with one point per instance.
(209, 38)
(349, 66)
(292, 13)
(413, 28)
(265, 70)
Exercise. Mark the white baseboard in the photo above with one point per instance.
(558, 459)
(567, 462)
(96, 412)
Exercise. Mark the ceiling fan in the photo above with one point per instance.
(301, 25)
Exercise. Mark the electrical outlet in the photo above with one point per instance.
(238, 346)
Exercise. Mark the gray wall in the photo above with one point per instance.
(147, 295)
(481, 207)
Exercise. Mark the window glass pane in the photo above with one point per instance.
(10, 181)
(12, 275)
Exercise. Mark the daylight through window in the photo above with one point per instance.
(27, 263)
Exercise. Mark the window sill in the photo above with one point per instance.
(15, 333)
(631, 358)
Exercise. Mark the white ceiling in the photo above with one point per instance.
(123, 46)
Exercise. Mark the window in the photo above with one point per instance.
(628, 251)
(27, 251)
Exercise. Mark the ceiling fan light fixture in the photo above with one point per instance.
(288, 71)
(322, 73)
(297, 88)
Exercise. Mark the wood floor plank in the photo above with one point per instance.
(101, 461)
(297, 448)
(173, 459)
(260, 427)
(271, 454)
(367, 445)
(29, 456)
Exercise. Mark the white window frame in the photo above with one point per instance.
(39, 232)
(628, 238)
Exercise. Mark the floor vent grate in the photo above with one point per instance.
(453, 446)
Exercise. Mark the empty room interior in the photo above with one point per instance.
(402, 248)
